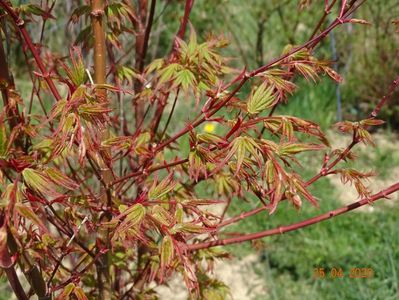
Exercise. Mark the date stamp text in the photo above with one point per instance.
(338, 272)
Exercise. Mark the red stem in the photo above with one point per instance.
(321, 21)
(183, 24)
(15, 283)
(282, 229)
(384, 99)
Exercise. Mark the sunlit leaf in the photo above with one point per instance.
(260, 99)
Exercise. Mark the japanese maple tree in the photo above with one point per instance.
(99, 194)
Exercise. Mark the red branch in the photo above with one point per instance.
(183, 24)
(282, 229)
(384, 99)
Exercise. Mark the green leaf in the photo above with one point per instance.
(192, 43)
(162, 216)
(192, 228)
(58, 108)
(142, 142)
(306, 70)
(134, 216)
(179, 214)
(243, 145)
(163, 188)
(3, 140)
(294, 148)
(93, 109)
(38, 182)
(67, 291)
(155, 65)
(32, 9)
(167, 251)
(260, 99)
(84, 35)
(210, 138)
(169, 72)
(78, 12)
(185, 78)
(371, 122)
(60, 179)
(126, 73)
(118, 143)
(80, 294)
(29, 214)
(77, 73)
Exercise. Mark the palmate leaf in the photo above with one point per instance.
(275, 77)
(307, 70)
(169, 72)
(287, 149)
(198, 159)
(359, 129)
(76, 72)
(60, 179)
(191, 228)
(32, 9)
(197, 165)
(166, 251)
(287, 125)
(244, 145)
(371, 122)
(85, 36)
(58, 108)
(299, 186)
(185, 78)
(127, 73)
(157, 191)
(66, 292)
(210, 138)
(93, 109)
(226, 184)
(118, 143)
(155, 65)
(240, 148)
(333, 74)
(79, 12)
(302, 54)
(26, 212)
(116, 12)
(260, 99)
(161, 216)
(39, 182)
(356, 178)
(133, 217)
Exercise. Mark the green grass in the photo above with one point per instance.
(382, 159)
(315, 102)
